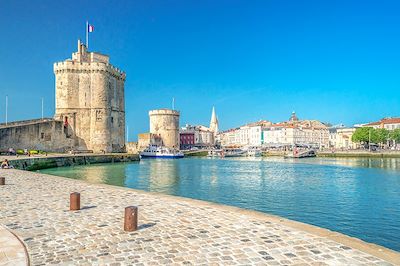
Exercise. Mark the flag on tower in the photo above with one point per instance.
(90, 28)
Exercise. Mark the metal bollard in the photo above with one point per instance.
(2, 181)
(74, 201)
(131, 218)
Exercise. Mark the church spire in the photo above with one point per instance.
(214, 122)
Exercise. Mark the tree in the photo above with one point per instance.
(395, 135)
(361, 135)
(380, 135)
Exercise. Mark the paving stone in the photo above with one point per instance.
(171, 231)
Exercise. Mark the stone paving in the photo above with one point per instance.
(12, 251)
(172, 230)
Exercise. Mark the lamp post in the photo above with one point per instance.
(369, 139)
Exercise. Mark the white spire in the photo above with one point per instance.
(214, 122)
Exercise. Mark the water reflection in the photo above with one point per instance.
(384, 163)
(358, 197)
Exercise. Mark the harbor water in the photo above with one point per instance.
(357, 197)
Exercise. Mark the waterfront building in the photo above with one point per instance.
(165, 124)
(388, 123)
(187, 140)
(200, 136)
(295, 132)
(247, 135)
(340, 137)
(90, 110)
(197, 136)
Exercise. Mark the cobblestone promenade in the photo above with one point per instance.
(171, 230)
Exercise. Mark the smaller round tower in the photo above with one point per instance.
(165, 123)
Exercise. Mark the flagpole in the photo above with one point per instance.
(6, 109)
(127, 133)
(42, 109)
(87, 34)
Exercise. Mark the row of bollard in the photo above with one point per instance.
(131, 212)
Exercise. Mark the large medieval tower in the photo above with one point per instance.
(90, 100)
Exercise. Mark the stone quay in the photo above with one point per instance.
(171, 230)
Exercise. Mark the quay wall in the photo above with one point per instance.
(360, 154)
(37, 163)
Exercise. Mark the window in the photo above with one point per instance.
(42, 135)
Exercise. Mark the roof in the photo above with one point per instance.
(389, 120)
(305, 124)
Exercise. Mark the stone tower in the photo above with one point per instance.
(165, 123)
(90, 100)
(214, 122)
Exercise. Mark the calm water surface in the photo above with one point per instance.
(357, 197)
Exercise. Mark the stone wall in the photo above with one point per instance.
(132, 147)
(47, 135)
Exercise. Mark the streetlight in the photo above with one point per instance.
(369, 139)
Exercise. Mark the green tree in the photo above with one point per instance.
(380, 135)
(395, 135)
(361, 135)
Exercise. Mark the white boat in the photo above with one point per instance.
(253, 152)
(301, 154)
(215, 153)
(233, 153)
(154, 151)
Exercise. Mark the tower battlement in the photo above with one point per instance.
(73, 66)
(84, 61)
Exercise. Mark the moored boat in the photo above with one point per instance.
(214, 153)
(160, 152)
(253, 151)
(233, 153)
(304, 154)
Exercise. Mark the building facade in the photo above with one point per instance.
(340, 138)
(187, 140)
(246, 135)
(203, 137)
(295, 132)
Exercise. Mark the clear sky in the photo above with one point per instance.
(335, 61)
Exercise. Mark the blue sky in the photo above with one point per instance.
(335, 61)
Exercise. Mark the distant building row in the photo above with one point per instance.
(295, 132)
